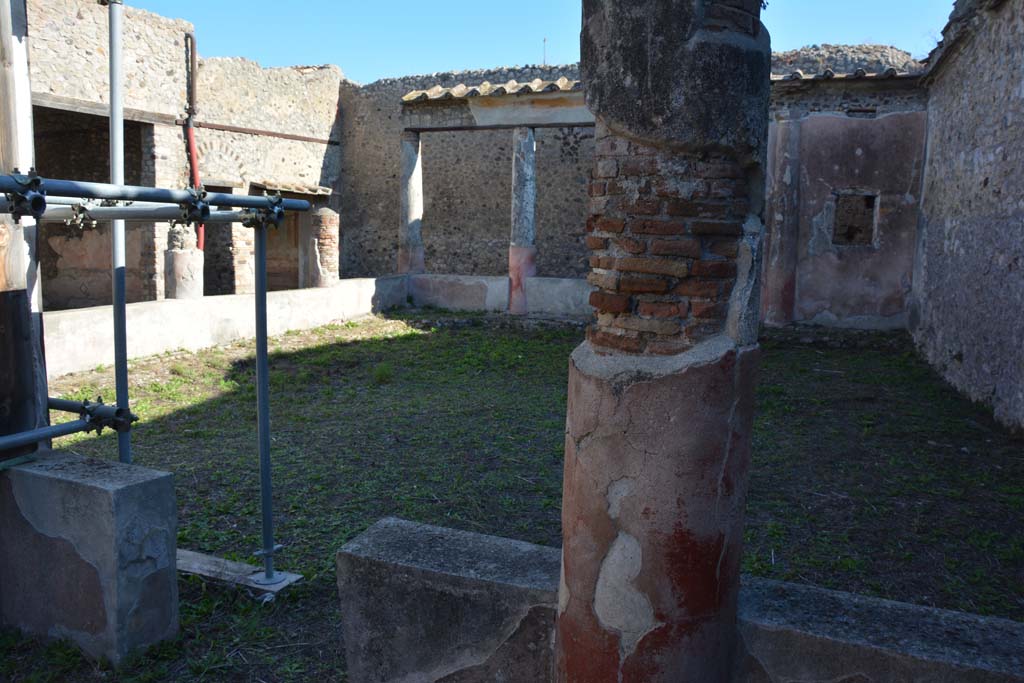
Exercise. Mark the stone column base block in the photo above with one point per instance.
(183, 274)
(460, 292)
(87, 553)
(657, 455)
(794, 632)
(522, 264)
(422, 603)
(558, 296)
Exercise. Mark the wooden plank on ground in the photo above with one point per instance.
(229, 571)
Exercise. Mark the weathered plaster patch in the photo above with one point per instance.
(563, 588)
(743, 323)
(821, 231)
(618, 604)
(617, 490)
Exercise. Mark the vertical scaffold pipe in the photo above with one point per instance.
(116, 14)
(263, 404)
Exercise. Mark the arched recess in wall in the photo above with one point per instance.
(222, 168)
(221, 162)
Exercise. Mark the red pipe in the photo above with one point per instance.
(190, 130)
(193, 161)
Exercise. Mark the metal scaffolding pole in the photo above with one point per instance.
(43, 434)
(263, 407)
(124, 439)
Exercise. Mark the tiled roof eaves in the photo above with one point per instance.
(485, 89)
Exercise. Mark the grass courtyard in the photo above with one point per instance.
(869, 474)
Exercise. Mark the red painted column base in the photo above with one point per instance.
(411, 261)
(656, 472)
(522, 263)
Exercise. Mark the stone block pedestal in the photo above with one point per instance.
(87, 553)
(422, 603)
(183, 274)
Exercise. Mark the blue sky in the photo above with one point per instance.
(377, 39)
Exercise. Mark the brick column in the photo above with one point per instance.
(661, 393)
(522, 249)
(410, 238)
(320, 262)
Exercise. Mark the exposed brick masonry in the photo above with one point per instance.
(663, 232)
(325, 229)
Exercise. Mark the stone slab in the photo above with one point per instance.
(460, 292)
(423, 603)
(559, 296)
(80, 339)
(229, 571)
(87, 552)
(793, 632)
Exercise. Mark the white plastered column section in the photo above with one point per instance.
(410, 237)
(522, 250)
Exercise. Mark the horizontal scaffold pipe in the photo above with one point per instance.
(67, 209)
(131, 193)
(43, 433)
(134, 213)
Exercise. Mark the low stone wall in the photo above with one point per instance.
(423, 603)
(82, 339)
(545, 296)
(465, 607)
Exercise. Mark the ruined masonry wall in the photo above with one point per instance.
(69, 55)
(468, 175)
(790, 102)
(467, 181)
(969, 279)
(69, 60)
(294, 100)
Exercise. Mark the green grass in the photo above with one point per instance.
(869, 474)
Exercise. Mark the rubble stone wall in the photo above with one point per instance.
(69, 62)
(969, 276)
(467, 184)
(467, 175)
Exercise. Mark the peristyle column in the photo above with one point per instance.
(522, 250)
(661, 393)
(183, 265)
(318, 262)
(410, 237)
